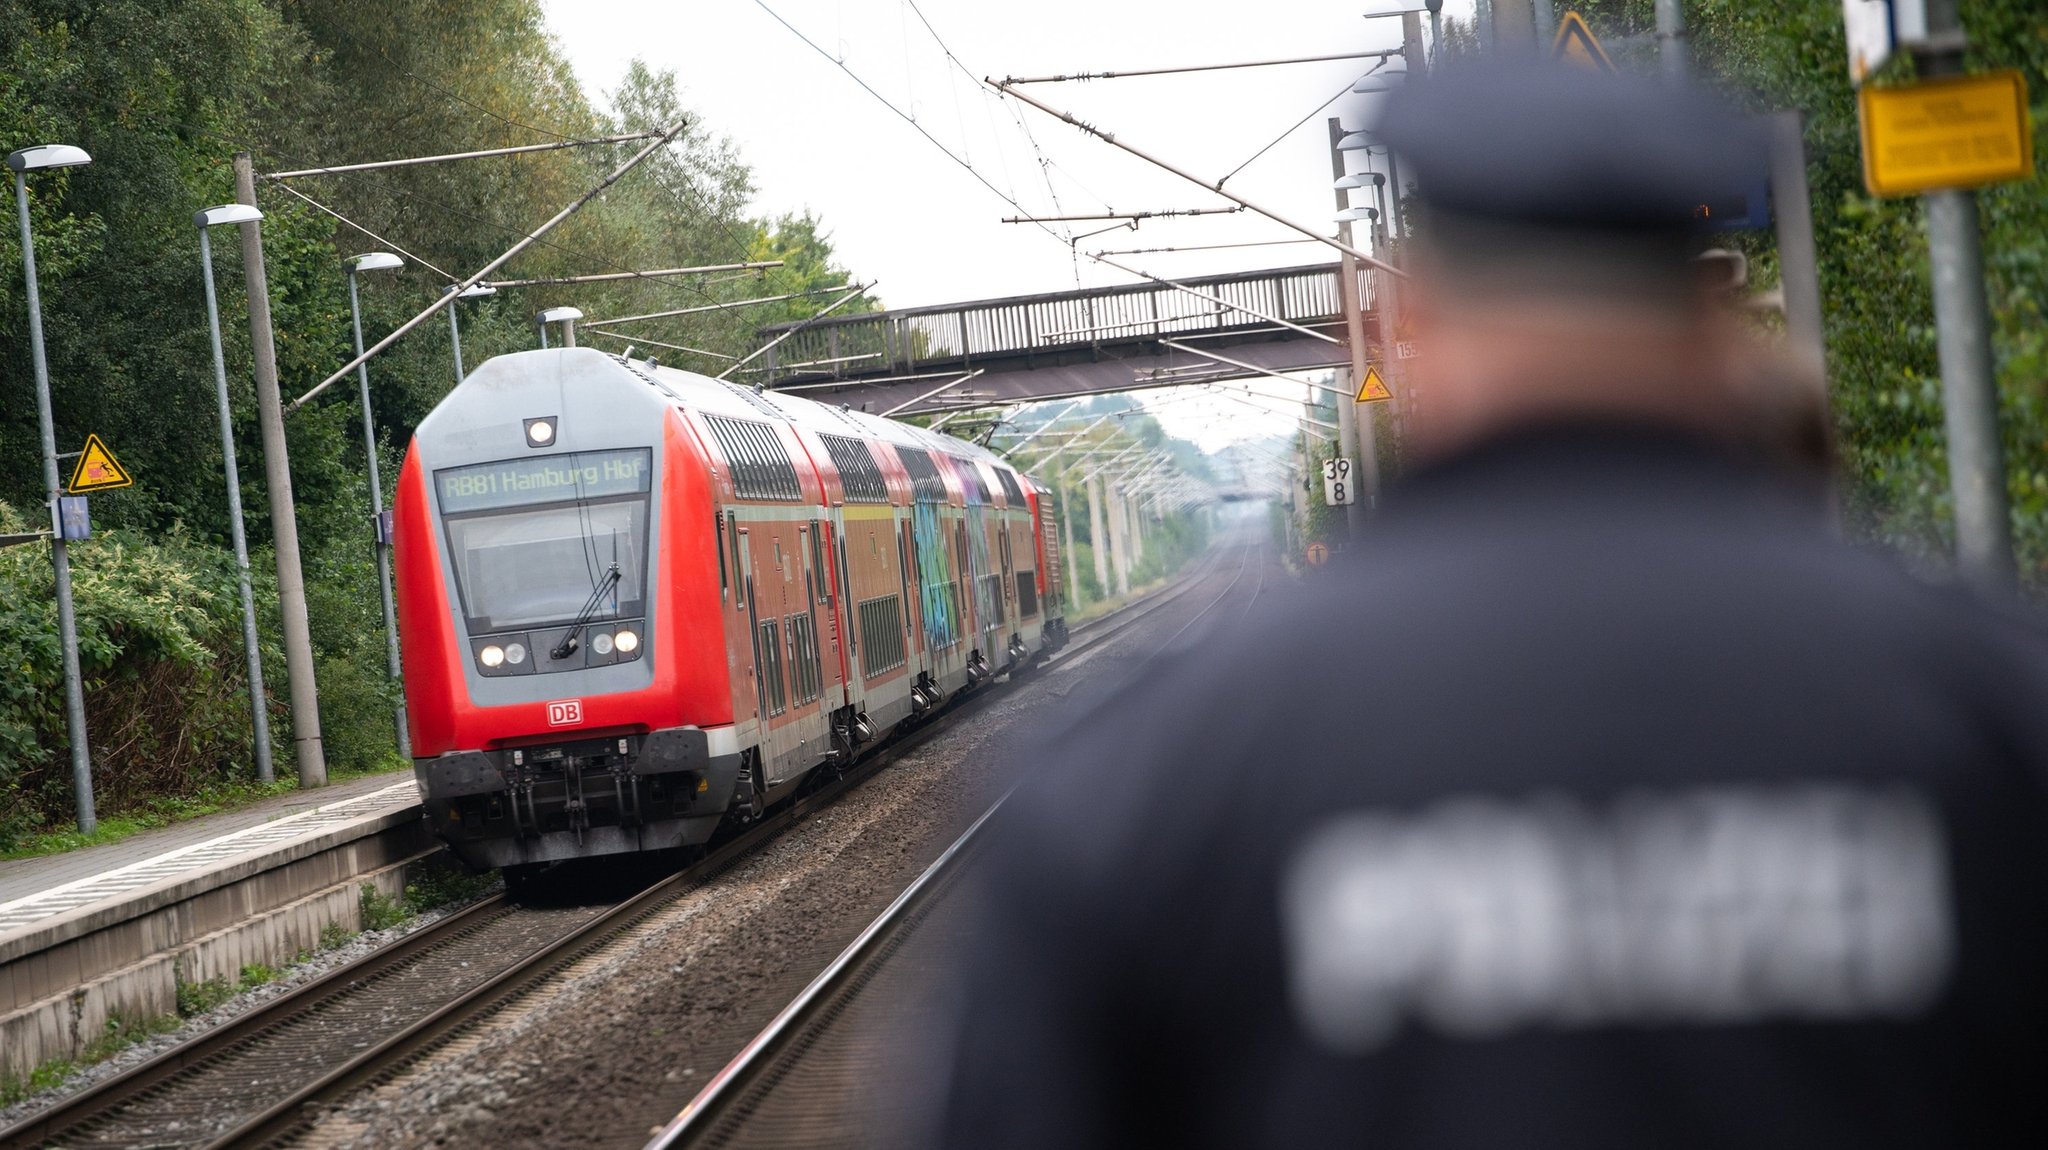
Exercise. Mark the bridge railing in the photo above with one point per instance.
(903, 341)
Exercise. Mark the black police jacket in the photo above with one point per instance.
(1602, 800)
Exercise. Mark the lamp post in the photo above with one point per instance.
(455, 329)
(566, 316)
(259, 712)
(380, 525)
(42, 158)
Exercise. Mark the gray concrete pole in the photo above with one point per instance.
(1976, 465)
(382, 544)
(1545, 14)
(1798, 264)
(1067, 522)
(284, 522)
(1354, 420)
(1119, 539)
(60, 558)
(1671, 53)
(455, 333)
(1098, 539)
(1514, 29)
(259, 699)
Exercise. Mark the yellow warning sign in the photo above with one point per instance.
(1949, 133)
(1577, 46)
(97, 470)
(1373, 388)
(1318, 554)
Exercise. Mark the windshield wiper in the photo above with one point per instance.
(605, 583)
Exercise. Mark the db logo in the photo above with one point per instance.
(565, 712)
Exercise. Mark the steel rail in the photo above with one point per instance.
(726, 1087)
(427, 1033)
(710, 1103)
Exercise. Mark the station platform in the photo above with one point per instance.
(116, 929)
(21, 878)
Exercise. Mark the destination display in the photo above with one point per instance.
(544, 479)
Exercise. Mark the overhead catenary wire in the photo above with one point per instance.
(1296, 126)
(1196, 248)
(317, 205)
(416, 161)
(1110, 139)
(447, 299)
(1382, 53)
(835, 305)
(651, 273)
(632, 341)
(738, 303)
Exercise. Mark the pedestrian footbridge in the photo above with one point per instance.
(1064, 344)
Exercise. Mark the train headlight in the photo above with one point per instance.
(601, 643)
(515, 653)
(627, 642)
(491, 656)
(540, 432)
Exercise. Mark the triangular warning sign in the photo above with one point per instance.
(1575, 45)
(1374, 388)
(97, 469)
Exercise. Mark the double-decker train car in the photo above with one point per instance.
(637, 601)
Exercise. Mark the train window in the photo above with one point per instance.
(925, 484)
(881, 635)
(533, 542)
(1010, 488)
(718, 533)
(859, 477)
(760, 467)
(822, 592)
(732, 526)
(771, 668)
(803, 659)
(971, 483)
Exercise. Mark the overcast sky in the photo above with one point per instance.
(903, 212)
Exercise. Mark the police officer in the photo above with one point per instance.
(1606, 800)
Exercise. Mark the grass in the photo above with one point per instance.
(119, 1034)
(163, 811)
(436, 885)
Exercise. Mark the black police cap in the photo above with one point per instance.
(1542, 145)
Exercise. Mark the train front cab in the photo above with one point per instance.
(555, 545)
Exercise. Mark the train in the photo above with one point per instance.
(637, 603)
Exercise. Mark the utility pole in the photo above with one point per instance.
(1119, 542)
(1976, 464)
(1514, 29)
(284, 521)
(1098, 539)
(1067, 521)
(1354, 420)
(1671, 54)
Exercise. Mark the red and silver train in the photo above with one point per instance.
(637, 600)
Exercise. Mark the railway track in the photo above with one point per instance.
(265, 1075)
(747, 1093)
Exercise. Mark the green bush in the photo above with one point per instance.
(160, 652)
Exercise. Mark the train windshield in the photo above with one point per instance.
(533, 540)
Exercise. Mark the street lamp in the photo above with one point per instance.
(566, 316)
(21, 163)
(380, 522)
(259, 712)
(474, 291)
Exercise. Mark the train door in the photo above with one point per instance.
(745, 550)
(829, 573)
